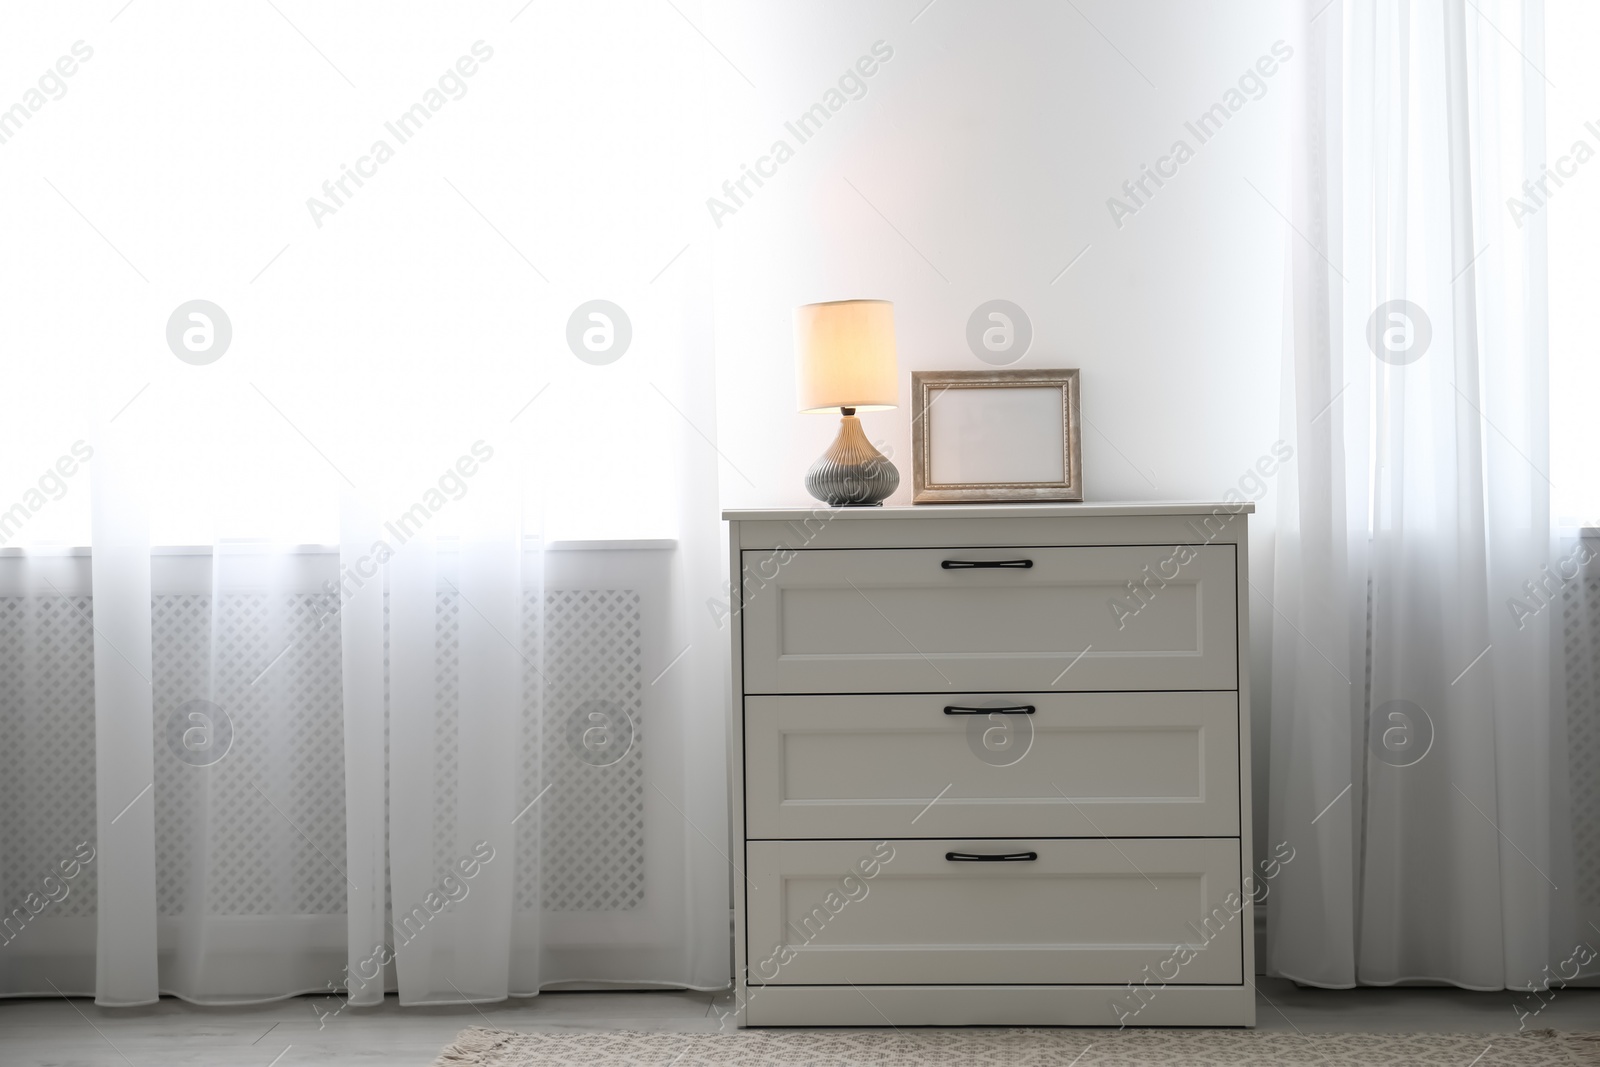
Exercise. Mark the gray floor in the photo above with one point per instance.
(63, 1033)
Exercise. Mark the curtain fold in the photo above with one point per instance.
(1414, 719)
(359, 621)
(454, 740)
(124, 782)
(415, 789)
(494, 656)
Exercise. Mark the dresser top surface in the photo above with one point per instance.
(996, 511)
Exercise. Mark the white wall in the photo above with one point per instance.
(990, 143)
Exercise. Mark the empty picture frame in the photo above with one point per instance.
(1003, 435)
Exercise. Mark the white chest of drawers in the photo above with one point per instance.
(990, 765)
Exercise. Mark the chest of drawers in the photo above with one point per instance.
(990, 766)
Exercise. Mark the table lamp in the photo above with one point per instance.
(846, 360)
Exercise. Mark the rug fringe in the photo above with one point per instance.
(471, 1045)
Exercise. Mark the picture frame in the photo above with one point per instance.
(995, 435)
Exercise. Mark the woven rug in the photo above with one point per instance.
(1017, 1048)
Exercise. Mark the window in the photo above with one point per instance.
(1573, 133)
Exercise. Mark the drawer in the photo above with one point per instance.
(901, 621)
(1081, 765)
(1083, 912)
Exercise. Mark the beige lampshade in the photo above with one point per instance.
(845, 355)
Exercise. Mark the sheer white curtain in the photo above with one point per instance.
(1418, 717)
(450, 784)
(387, 666)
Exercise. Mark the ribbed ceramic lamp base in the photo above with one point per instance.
(852, 473)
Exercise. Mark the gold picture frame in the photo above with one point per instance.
(973, 441)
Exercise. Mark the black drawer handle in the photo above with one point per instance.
(986, 564)
(1004, 857)
(1019, 709)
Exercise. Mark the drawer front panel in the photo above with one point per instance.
(1082, 912)
(900, 621)
(1082, 765)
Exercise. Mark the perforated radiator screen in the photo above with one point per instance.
(222, 830)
